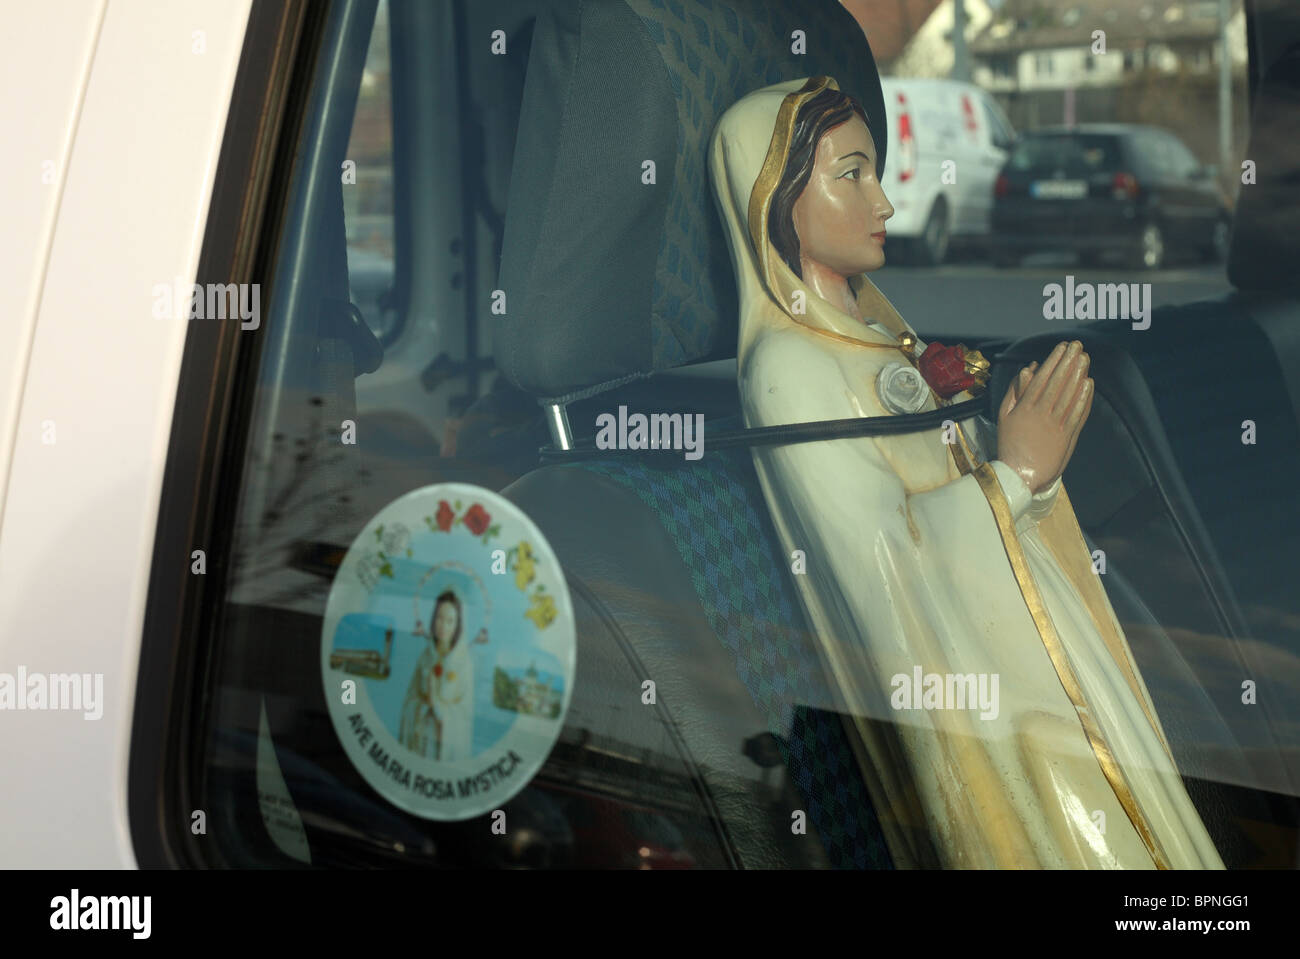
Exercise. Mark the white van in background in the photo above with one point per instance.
(932, 121)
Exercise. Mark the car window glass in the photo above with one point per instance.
(365, 392)
(1001, 135)
(1181, 158)
(1148, 151)
(1069, 153)
(368, 209)
(382, 372)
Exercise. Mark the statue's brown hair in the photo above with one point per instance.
(827, 109)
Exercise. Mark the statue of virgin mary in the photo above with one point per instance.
(949, 554)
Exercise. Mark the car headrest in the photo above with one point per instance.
(1265, 244)
(612, 270)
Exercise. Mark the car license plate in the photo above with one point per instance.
(1059, 189)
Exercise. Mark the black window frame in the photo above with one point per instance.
(210, 423)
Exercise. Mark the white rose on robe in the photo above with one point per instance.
(902, 389)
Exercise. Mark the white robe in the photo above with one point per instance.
(455, 700)
(453, 704)
(907, 566)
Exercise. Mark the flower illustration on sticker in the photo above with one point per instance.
(369, 570)
(542, 612)
(477, 519)
(395, 539)
(436, 699)
(902, 389)
(525, 565)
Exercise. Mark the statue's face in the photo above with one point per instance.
(840, 216)
(444, 625)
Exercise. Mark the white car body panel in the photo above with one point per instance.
(37, 162)
(134, 118)
(942, 132)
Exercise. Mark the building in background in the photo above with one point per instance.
(1032, 45)
(928, 52)
(1160, 66)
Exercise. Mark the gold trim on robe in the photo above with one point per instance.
(1061, 660)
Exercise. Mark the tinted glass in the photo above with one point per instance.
(368, 209)
(1001, 133)
(375, 376)
(1070, 153)
(1184, 164)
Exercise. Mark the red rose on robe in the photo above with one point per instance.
(437, 670)
(445, 516)
(944, 368)
(477, 520)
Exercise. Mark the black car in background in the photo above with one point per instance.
(1107, 188)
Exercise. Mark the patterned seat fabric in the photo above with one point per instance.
(615, 267)
(714, 56)
(714, 512)
(611, 276)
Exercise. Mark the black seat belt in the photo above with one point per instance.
(790, 433)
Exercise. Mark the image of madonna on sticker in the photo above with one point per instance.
(448, 651)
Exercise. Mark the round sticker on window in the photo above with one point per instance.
(447, 651)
